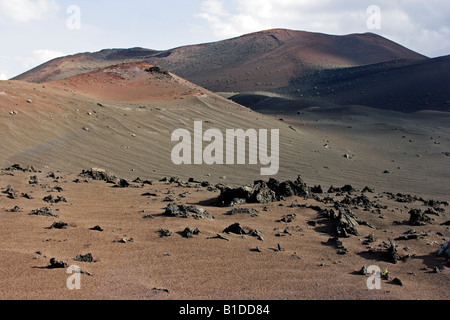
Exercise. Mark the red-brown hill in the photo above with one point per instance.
(264, 60)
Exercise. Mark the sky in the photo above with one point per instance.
(35, 31)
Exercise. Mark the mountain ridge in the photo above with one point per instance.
(239, 64)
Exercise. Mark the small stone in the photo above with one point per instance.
(363, 271)
(189, 233)
(164, 233)
(397, 281)
(45, 211)
(85, 258)
(279, 247)
(16, 209)
(97, 228)
(58, 225)
(57, 263)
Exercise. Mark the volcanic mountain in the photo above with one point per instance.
(400, 85)
(264, 60)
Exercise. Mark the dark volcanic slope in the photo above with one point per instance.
(259, 61)
(400, 85)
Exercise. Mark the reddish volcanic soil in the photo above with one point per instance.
(204, 267)
(121, 119)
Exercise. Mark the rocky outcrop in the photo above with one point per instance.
(263, 192)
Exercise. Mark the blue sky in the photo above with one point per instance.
(35, 31)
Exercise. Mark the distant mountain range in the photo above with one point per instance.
(307, 68)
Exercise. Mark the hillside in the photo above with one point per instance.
(264, 60)
(400, 85)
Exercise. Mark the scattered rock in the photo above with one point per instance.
(158, 290)
(33, 180)
(363, 271)
(251, 211)
(347, 224)
(175, 210)
(149, 194)
(338, 245)
(10, 192)
(397, 281)
(295, 256)
(402, 198)
(418, 218)
(164, 233)
(122, 183)
(124, 240)
(56, 264)
(444, 251)
(345, 189)
(279, 247)
(288, 218)
(85, 258)
(16, 209)
(18, 167)
(51, 199)
(258, 234)
(45, 211)
(219, 236)
(317, 189)
(235, 228)
(27, 196)
(56, 189)
(189, 233)
(370, 239)
(392, 253)
(169, 199)
(412, 234)
(58, 225)
(98, 174)
(96, 228)
(262, 192)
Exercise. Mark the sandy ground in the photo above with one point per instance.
(121, 120)
(201, 267)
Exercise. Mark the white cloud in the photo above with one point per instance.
(37, 57)
(28, 10)
(3, 76)
(44, 55)
(420, 25)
